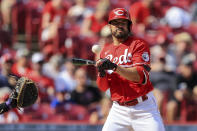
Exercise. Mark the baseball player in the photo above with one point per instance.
(123, 68)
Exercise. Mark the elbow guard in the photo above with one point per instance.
(143, 75)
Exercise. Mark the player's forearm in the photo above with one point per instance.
(129, 73)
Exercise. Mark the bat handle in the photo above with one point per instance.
(89, 62)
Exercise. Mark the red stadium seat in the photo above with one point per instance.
(188, 111)
(39, 112)
(78, 112)
(33, 21)
(26, 19)
(5, 39)
(18, 20)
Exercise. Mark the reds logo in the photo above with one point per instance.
(119, 12)
(126, 57)
(121, 59)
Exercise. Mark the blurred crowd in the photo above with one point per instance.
(38, 38)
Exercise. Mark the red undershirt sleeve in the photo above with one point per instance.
(102, 83)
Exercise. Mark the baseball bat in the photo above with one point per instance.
(79, 61)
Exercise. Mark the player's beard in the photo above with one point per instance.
(120, 35)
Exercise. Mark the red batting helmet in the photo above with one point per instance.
(119, 13)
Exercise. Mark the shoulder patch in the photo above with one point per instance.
(145, 56)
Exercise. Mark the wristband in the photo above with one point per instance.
(8, 103)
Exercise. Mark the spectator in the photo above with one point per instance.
(100, 115)
(59, 101)
(186, 86)
(194, 11)
(177, 18)
(5, 78)
(52, 67)
(142, 16)
(6, 8)
(84, 94)
(65, 80)
(140, 11)
(182, 46)
(45, 84)
(2, 119)
(53, 18)
(164, 83)
(93, 24)
(21, 65)
(79, 11)
(163, 79)
(13, 116)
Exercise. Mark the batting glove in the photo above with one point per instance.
(101, 72)
(106, 64)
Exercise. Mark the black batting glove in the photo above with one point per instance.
(101, 72)
(106, 64)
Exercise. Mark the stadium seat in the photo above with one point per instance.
(18, 21)
(188, 111)
(78, 112)
(33, 21)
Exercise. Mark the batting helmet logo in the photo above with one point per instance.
(119, 12)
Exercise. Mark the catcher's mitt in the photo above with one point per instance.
(24, 94)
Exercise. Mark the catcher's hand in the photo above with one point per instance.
(24, 94)
(105, 64)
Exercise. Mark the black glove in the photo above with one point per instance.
(101, 72)
(105, 64)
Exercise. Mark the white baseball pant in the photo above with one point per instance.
(144, 116)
